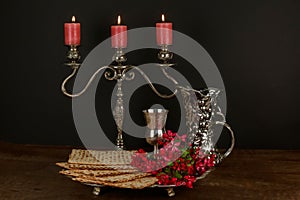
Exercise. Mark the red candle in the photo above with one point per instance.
(119, 35)
(164, 32)
(72, 33)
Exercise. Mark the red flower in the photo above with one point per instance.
(141, 151)
(188, 162)
(191, 170)
(189, 184)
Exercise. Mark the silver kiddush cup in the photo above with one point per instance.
(156, 121)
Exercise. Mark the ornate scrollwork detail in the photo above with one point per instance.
(110, 74)
(131, 76)
(119, 72)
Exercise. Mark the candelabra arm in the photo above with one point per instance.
(63, 88)
(152, 86)
(163, 69)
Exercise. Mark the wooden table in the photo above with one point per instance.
(29, 172)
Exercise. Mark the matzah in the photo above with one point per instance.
(116, 178)
(79, 156)
(93, 167)
(139, 183)
(108, 168)
(95, 173)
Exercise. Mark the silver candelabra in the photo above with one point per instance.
(119, 73)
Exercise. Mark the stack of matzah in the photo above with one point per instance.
(110, 168)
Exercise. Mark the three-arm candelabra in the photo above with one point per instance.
(119, 73)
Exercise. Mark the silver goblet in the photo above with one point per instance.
(156, 121)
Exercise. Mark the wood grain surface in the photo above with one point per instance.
(29, 172)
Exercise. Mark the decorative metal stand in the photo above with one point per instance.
(119, 73)
(202, 111)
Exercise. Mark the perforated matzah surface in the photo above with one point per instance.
(80, 156)
(95, 173)
(138, 183)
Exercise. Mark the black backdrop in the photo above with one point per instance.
(255, 45)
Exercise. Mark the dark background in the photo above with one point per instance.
(255, 45)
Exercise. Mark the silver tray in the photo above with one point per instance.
(168, 188)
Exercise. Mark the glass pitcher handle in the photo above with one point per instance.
(229, 150)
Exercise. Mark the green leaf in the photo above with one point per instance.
(160, 173)
(167, 170)
(185, 153)
(178, 175)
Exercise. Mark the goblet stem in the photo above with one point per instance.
(155, 149)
